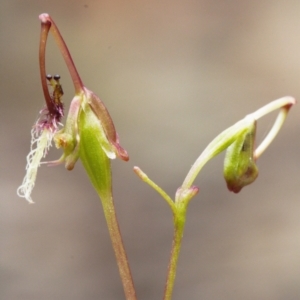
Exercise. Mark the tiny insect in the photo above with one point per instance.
(57, 93)
(57, 89)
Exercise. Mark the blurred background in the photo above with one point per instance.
(173, 75)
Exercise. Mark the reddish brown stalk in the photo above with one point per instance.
(49, 23)
(42, 60)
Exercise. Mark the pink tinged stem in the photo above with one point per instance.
(47, 20)
(117, 243)
(42, 57)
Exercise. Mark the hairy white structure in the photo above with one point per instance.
(40, 143)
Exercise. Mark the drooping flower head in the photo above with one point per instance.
(89, 129)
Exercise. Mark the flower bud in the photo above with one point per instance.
(239, 164)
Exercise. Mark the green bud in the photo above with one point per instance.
(239, 164)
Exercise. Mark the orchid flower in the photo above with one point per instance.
(89, 135)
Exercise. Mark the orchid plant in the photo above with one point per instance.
(89, 135)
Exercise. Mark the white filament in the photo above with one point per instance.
(40, 143)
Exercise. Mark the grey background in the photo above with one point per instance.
(173, 74)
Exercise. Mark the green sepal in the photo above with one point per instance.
(91, 153)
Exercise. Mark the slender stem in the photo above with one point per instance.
(274, 105)
(42, 62)
(146, 179)
(98, 168)
(284, 104)
(103, 188)
(117, 243)
(179, 222)
(78, 85)
(273, 132)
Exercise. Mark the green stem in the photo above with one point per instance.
(179, 222)
(98, 167)
(117, 243)
(115, 234)
(146, 179)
